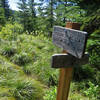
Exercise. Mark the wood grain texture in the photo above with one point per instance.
(74, 41)
(62, 61)
(65, 39)
(64, 83)
(66, 60)
(65, 73)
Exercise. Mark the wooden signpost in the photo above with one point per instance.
(73, 43)
(71, 40)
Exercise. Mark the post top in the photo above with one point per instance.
(73, 25)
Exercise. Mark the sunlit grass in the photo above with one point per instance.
(31, 61)
(14, 84)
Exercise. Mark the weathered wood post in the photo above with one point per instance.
(66, 73)
(66, 39)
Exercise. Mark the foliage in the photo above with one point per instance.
(57, 12)
(93, 5)
(83, 73)
(33, 18)
(23, 13)
(68, 11)
(92, 91)
(27, 91)
(16, 85)
(33, 54)
(2, 18)
(27, 15)
(46, 11)
(94, 50)
(5, 6)
(32, 57)
(7, 50)
(10, 31)
(91, 21)
(21, 59)
(51, 94)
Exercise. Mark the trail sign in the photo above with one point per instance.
(74, 41)
(66, 60)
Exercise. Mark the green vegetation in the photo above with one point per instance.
(25, 60)
(15, 85)
(26, 48)
(29, 52)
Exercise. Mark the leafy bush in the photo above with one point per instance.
(10, 31)
(92, 23)
(83, 72)
(34, 55)
(27, 91)
(93, 91)
(51, 94)
(46, 74)
(94, 51)
(8, 50)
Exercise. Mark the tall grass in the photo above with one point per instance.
(32, 55)
(16, 84)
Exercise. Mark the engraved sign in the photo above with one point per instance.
(74, 41)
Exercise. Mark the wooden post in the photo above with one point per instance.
(65, 73)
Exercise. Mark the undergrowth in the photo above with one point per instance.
(32, 55)
(15, 85)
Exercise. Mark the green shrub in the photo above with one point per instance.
(51, 94)
(21, 59)
(94, 51)
(8, 50)
(46, 74)
(25, 90)
(86, 88)
(10, 31)
(17, 28)
(93, 91)
(83, 72)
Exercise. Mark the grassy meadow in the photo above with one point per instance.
(26, 74)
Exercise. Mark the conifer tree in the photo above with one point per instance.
(2, 15)
(23, 13)
(5, 6)
(47, 13)
(2, 18)
(32, 17)
(92, 17)
(68, 10)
